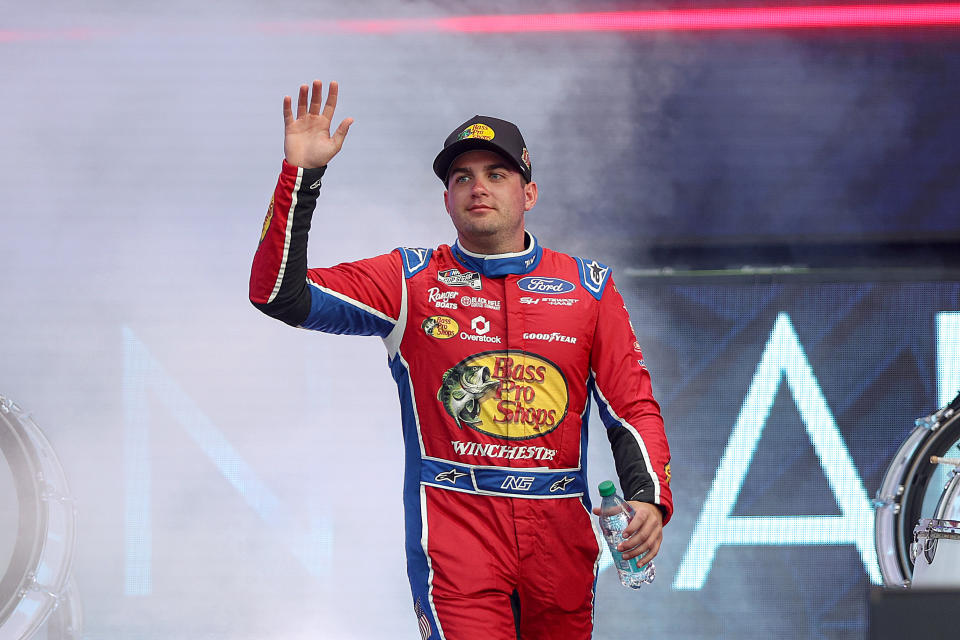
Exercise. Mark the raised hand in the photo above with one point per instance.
(307, 141)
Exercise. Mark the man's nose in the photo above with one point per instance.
(479, 186)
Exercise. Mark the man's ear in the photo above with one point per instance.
(446, 200)
(530, 193)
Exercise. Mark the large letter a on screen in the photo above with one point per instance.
(782, 357)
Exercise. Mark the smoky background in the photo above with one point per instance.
(141, 146)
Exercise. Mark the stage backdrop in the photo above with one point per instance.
(236, 478)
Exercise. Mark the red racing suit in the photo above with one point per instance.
(495, 359)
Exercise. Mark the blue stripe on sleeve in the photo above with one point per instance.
(339, 314)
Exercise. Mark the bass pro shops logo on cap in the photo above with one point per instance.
(488, 134)
(479, 130)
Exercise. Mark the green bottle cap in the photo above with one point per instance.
(607, 488)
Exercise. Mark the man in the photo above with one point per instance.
(495, 343)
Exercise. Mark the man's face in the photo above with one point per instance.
(486, 198)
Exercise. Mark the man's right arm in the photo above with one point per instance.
(361, 297)
(278, 279)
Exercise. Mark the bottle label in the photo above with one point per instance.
(625, 565)
(631, 566)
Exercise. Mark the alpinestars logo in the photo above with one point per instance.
(453, 278)
(414, 257)
(561, 484)
(450, 476)
(596, 272)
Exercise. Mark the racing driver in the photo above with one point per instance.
(496, 344)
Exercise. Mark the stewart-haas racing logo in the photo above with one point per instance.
(514, 395)
(453, 278)
(557, 302)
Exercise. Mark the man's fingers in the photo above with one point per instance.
(316, 97)
(302, 101)
(287, 111)
(641, 518)
(650, 552)
(309, 100)
(655, 548)
(342, 131)
(638, 537)
(643, 534)
(331, 105)
(649, 546)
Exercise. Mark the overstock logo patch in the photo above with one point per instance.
(480, 325)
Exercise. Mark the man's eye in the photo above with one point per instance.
(461, 178)
(496, 175)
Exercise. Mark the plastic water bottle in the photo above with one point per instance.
(615, 515)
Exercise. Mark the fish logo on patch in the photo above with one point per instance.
(441, 327)
(511, 395)
(479, 131)
(463, 388)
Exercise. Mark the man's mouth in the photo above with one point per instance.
(479, 207)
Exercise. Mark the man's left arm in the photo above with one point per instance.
(634, 426)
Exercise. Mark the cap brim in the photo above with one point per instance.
(441, 165)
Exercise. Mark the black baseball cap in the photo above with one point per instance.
(484, 132)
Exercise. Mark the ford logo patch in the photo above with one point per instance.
(536, 284)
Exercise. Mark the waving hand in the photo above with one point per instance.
(307, 141)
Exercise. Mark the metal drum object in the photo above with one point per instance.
(38, 521)
(936, 541)
(936, 554)
(911, 488)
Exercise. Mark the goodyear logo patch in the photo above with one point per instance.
(513, 395)
(481, 131)
(442, 327)
(666, 472)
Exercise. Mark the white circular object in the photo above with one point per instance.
(35, 581)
